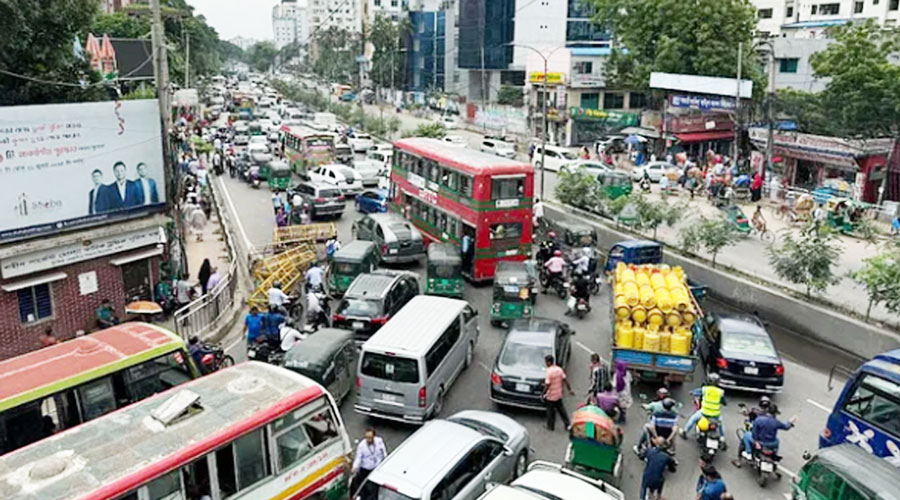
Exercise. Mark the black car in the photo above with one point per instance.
(741, 351)
(372, 299)
(517, 378)
(323, 199)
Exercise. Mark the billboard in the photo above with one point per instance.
(71, 165)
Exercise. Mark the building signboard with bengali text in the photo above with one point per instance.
(552, 78)
(702, 103)
(616, 118)
(73, 165)
(698, 123)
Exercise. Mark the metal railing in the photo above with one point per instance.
(202, 315)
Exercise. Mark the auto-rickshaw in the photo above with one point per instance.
(328, 357)
(735, 216)
(255, 128)
(444, 270)
(847, 471)
(615, 183)
(278, 175)
(595, 445)
(843, 214)
(575, 234)
(515, 291)
(353, 259)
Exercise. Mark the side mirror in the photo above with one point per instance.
(806, 455)
(507, 451)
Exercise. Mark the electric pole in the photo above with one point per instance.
(160, 63)
(483, 88)
(187, 60)
(737, 107)
(770, 142)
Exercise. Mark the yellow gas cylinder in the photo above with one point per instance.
(679, 344)
(688, 316)
(627, 275)
(665, 341)
(632, 295)
(623, 311)
(637, 341)
(642, 278)
(664, 268)
(655, 317)
(673, 319)
(648, 299)
(678, 271)
(672, 281)
(651, 341)
(664, 300)
(624, 335)
(638, 314)
(619, 289)
(657, 281)
(620, 267)
(680, 298)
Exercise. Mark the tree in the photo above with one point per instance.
(120, 25)
(710, 234)
(335, 54)
(699, 37)
(261, 56)
(510, 95)
(230, 52)
(653, 214)
(881, 277)
(807, 260)
(435, 130)
(389, 38)
(37, 39)
(577, 188)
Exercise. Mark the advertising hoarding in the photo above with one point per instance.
(72, 165)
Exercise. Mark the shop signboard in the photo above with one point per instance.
(589, 80)
(701, 103)
(698, 123)
(72, 165)
(616, 118)
(823, 144)
(552, 78)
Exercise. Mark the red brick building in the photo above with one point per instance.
(59, 280)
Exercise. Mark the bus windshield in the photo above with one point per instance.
(876, 401)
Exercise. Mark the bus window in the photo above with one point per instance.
(97, 398)
(465, 185)
(507, 188)
(156, 375)
(876, 401)
(167, 487)
(242, 463)
(196, 479)
(506, 231)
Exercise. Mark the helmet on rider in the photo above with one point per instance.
(713, 379)
(551, 235)
(668, 403)
(277, 284)
(765, 402)
(557, 253)
(662, 393)
(587, 251)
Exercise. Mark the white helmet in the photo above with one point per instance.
(587, 251)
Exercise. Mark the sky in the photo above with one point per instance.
(231, 18)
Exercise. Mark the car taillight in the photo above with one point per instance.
(779, 370)
(384, 249)
(722, 363)
(341, 198)
(358, 383)
(320, 200)
(422, 394)
(380, 321)
(337, 317)
(495, 379)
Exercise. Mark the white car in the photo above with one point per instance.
(545, 480)
(266, 125)
(383, 157)
(554, 157)
(449, 122)
(593, 167)
(341, 176)
(258, 139)
(360, 142)
(371, 172)
(259, 153)
(382, 146)
(455, 140)
(498, 148)
(655, 169)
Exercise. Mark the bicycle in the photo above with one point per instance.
(763, 232)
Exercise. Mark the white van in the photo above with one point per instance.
(555, 157)
(406, 368)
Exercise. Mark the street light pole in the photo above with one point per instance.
(770, 141)
(544, 129)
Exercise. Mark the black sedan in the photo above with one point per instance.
(741, 351)
(517, 378)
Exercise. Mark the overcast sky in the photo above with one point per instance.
(231, 18)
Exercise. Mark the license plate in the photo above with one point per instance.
(251, 353)
(767, 466)
(392, 250)
(523, 388)
(712, 443)
(389, 398)
(358, 325)
(751, 370)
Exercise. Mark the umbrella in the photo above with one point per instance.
(143, 307)
(634, 139)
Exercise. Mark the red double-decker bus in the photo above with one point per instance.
(449, 192)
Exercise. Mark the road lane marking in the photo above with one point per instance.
(589, 350)
(237, 217)
(788, 472)
(484, 366)
(235, 343)
(819, 405)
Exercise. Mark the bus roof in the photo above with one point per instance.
(303, 131)
(890, 356)
(40, 373)
(465, 159)
(124, 449)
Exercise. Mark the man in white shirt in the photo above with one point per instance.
(369, 453)
(314, 277)
(289, 335)
(277, 298)
(537, 211)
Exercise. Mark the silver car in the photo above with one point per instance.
(396, 238)
(452, 459)
(370, 171)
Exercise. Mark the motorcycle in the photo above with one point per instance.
(709, 441)
(764, 459)
(578, 305)
(596, 282)
(645, 185)
(555, 282)
(214, 359)
(267, 351)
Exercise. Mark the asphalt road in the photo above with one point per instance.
(805, 395)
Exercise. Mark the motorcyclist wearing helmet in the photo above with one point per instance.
(277, 298)
(712, 398)
(582, 265)
(656, 406)
(661, 425)
(555, 266)
(197, 350)
(765, 432)
(289, 334)
(547, 248)
(581, 289)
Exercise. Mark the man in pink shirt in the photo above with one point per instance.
(553, 393)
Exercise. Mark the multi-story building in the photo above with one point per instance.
(392, 9)
(110, 6)
(344, 14)
(427, 43)
(243, 42)
(290, 23)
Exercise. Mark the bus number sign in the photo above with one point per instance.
(507, 203)
(428, 196)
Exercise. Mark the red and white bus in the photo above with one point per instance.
(252, 431)
(449, 192)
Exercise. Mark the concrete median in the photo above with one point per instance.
(810, 321)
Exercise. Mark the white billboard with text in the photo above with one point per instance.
(71, 165)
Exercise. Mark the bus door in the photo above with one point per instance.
(468, 254)
(868, 415)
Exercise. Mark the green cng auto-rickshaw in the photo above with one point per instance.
(279, 176)
(615, 183)
(353, 259)
(846, 471)
(444, 270)
(515, 290)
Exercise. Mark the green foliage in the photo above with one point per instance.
(389, 37)
(36, 40)
(435, 130)
(335, 55)
(510, 95)
(699, 37)
(146, 92)
(120, 25)
(807, 260)
(881, 277)
(653, 214)
(712, 235)
(230, 52)
(261, 56)
(579, 189)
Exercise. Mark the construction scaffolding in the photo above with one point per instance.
(291, 235)
(287, 267)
